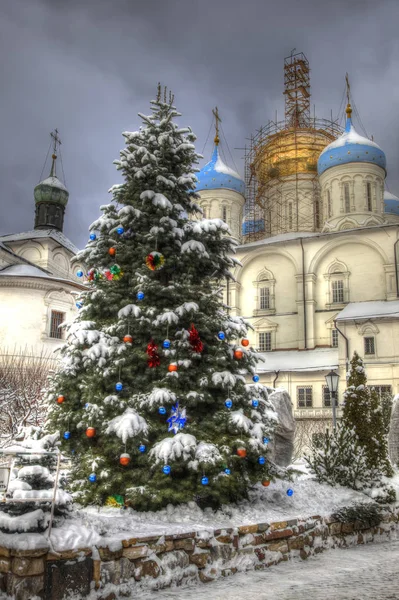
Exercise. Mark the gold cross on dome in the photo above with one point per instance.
(215, 113)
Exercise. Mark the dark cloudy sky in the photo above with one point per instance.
(88, 66)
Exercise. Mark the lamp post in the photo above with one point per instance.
(332, 380)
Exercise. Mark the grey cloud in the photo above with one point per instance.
(89, 67)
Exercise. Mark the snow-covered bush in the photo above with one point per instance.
(31, 487)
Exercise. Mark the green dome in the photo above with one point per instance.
(51, 190)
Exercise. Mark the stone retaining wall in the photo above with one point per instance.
(158, 562)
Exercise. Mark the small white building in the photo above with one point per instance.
(38, 284)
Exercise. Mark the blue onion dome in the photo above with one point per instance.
(51, 189)
(391, 203)
(217, 175)
(350, 147)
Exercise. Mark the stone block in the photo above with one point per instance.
(111, 571)
(200, 559)
(135, 552)
(69, 554)
(106, 554)
(5, 565)
(347, 527)
(72, 576)
(225, 539)
(147, 568)
(166, 546)
(279, 533)
(4, 551)
(181, 536)
(303, 553)
(225, 552)
(172, 560)
(25, 588)
(208, 575)
(129, 542)
(29, 553)
(203, 544)
(278, 547)
(296, 543)
(187, 544)
(244, 529)
(263, 527)
(26, 567)
(279, 525)
(335, 528)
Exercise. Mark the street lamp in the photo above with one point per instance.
(332, 380)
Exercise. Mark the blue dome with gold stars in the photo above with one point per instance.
(350, 147)
(217, 175)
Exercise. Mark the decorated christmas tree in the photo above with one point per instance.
(154, 399)
(363, 413)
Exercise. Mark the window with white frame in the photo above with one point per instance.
(56, 319)
(369, 345)
(347, 201)
(265, 341)
(327, 397)
(334, 338)
(337, 288)
(304, 397)
(382, 390)
(264, 298)
(369, 197)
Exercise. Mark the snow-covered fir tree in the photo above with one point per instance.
(31, 487)
(153, 396)
(363, 413)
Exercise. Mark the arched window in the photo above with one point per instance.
(369, 198)
(224, 213)
(347, 201)
(329, 211)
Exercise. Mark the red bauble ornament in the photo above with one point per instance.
(195, 340)
(153, 360)
(90, 432)
(238, 354)
(245, 342)
(265, 483)
(112, 251)
(241, 452)
(124, 459)
(128, 339)
(60, 399)
(172, 368)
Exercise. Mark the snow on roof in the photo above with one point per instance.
(57, 236)
(319, 359)
(370, 310)
(24, 270)
(282, 237)
(351, 137)
(54, 182)
(221, 167)
(389, 196)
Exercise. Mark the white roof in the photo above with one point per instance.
(54, 182)
(24, 271)
(58, 236)
(370, 310)
(351, 137)
(319, 359)
(221, 167)
(282, 237)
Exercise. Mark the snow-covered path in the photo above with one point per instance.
(368, 572)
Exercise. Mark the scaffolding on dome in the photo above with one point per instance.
(282, 188)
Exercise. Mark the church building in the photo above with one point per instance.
(38, 285)
(317, 241)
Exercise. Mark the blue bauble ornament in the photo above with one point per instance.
(79, 304)
(87, 405)
(255, 378)
(266, 440)
(162, 410)
(221, 335)
(93, 477)
(205, 481)
(120, 230)
(142, 448)
(93, 237)
(140, 295)
(67, 435)
(228, 403)
(255, 403)
(119, 386)
(261, 460)
(166, 344)
(227, 471)
(166, 469)
(79, 273)
(290, 492)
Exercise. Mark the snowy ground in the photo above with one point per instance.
(368, 572)
(109, 526)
